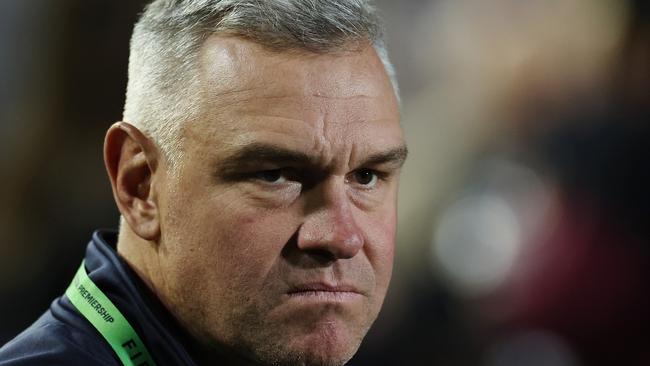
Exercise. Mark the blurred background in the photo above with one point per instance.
(524, 212)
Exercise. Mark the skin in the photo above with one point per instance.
(273, 241)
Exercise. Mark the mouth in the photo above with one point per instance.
(321, 292)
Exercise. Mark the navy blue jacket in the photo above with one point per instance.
(62, 336)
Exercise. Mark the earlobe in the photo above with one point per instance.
(131, 162)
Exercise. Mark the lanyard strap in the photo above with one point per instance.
(95, 306)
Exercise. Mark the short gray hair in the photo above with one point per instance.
(169, 34)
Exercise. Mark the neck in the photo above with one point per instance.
(141, 256)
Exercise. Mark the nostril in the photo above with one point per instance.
(322, 256)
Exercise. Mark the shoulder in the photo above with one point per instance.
(57, 340)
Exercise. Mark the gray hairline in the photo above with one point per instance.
(160, 98)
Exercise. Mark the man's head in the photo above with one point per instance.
(259, 189)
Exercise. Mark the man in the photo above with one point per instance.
(257, 180)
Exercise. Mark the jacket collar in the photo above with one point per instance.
(164, 338)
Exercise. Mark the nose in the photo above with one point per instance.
(330, 229)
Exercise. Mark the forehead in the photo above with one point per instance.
(237, 64)
(294, 97)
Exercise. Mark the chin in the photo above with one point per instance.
(326, 344)
(307, 358)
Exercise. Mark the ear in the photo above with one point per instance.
(131, 161)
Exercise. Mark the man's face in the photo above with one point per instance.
(278, 231)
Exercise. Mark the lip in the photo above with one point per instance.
(323, 292)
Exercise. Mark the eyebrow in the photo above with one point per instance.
(267, 153)
(396, 156)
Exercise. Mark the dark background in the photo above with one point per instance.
(524, 207)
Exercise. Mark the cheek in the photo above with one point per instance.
(275, 227)
(380, 244)
(243, 244)
(226, 252)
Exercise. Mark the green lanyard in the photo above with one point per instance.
(95, 306)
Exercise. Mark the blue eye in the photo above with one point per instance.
(366, 177)
(271, 176)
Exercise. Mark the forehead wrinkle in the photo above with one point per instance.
(257, 92)
(344, 97)
(326, 138)
(319, 143)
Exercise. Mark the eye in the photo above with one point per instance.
(366, 177)
(275, 176)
